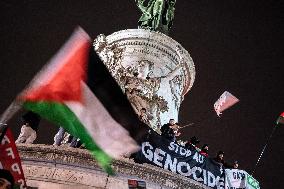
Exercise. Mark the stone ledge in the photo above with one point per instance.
(48, 166)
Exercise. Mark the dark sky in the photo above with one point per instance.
(236, 45)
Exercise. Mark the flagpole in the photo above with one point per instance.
(207, 114)
(4, 128)
(266, 144)
(14, 107)
(190, 124)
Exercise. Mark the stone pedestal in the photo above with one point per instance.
(153, 70)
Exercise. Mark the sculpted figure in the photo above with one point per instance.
(157, 15)
(141, 89)
(111, 54)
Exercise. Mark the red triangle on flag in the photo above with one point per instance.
(65, 84)
(280, 119)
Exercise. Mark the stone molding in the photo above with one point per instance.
(163, 44)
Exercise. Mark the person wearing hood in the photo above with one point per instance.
(220, 159)
(236, 165)
(170, 130)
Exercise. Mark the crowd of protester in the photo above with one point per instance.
(64, 138)
(28, 134)
(169, 130)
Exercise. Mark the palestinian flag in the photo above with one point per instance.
(76, 91)
(225, 101)
(280, 119)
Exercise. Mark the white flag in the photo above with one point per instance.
(225, 101)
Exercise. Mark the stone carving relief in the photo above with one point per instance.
(176, 87)
(141, 89)
(176, 84)
(110, 54)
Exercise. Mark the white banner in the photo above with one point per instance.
(235, 179)
(239, 179)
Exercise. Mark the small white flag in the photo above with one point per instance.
(225, 101)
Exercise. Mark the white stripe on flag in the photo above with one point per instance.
(109, 135)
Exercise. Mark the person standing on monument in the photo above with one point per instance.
(170, 130)
(192, 143)
(29, 128)
(236, 165)
(220, 159)
(59, 137)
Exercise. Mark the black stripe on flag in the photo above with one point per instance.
(106, 89)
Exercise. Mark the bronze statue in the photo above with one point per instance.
(157, 15)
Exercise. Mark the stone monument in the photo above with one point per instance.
(155, 72)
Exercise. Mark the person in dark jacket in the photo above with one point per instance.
(170, 130)
(220, 159)
(6, 179)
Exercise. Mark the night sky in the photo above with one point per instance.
(236, 45)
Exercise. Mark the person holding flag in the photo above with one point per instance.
(170, 130)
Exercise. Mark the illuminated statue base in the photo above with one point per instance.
(152, 69)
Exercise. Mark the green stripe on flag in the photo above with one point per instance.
(252, 183)
(61, 115)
